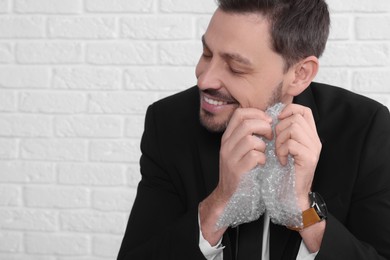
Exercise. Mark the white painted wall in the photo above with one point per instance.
(76, 77)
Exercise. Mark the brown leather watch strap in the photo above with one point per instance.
(309, 217)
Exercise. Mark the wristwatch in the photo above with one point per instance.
(316, 213)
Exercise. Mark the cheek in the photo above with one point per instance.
(252, 94)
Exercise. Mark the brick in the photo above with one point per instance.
(82, 27)
(157, 27)
(6, 53)
(53, 150)
(134, 126)
(8, 101)
(11, 242)
(22, 27)
(119, 6)
(26, 172)
(25, 256)
(28, 219)
(115, 151)
(56, 197)
(341, 27)
(49, 52)
(121, 53)
(356, 54)
(133, 175)
(10, 196)
(4, 6)
(80, 258)
(200, 6)
(179, 53)
(88, 126)
(87, 78)
(91, 174)
(48, 6)
(31, 126)
(24, 77)
(57, 244)
(106, 246)
(120, 102)
(165, 94)
(113, 199)
(334, 76)
(358, 6)
(8, 149)
(159, 78)
(371, 81)
(373, 27)
(51, 102)
(93, 222)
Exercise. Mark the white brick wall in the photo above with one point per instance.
(76, 77)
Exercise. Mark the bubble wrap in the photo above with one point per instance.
(269, 187)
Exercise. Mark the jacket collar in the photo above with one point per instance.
(307, 99)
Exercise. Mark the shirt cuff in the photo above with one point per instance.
(210, 252)
(304, 253)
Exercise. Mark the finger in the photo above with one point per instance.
(248, 143)
(252, 159)
(242, 114)
(290, 147)
(295, 109)
(248, 128)
(303, 156)
(295, 132)
(242, 147)
(292, 121)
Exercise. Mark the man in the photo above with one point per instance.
(198, 145)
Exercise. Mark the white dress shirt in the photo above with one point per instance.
(216, 252)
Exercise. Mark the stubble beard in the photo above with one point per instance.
(209, 121)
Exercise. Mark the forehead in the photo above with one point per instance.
(238, 31)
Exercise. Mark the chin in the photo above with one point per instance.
(212, 123)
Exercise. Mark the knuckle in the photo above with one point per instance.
(239, 114)
(224, 153)
(248, 139)
(245, 124)
(307, 110)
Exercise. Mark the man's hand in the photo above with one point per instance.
(296, 135)
(241, 150)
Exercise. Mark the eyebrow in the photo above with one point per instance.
(230, 56)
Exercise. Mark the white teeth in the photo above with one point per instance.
(214, 102)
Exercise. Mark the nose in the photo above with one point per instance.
(209, 75)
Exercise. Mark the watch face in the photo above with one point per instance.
(318, 204)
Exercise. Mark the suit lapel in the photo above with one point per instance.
(208, 149)
(284, 243)
(306, 99)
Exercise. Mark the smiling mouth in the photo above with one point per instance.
(214, 102)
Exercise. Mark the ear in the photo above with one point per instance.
(302, 74)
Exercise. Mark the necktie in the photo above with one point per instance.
(246, 240)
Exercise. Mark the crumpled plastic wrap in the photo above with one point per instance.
(269, 187)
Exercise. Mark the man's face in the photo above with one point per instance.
(238, 68)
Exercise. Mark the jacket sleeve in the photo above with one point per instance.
(160, 225)
(366, 232)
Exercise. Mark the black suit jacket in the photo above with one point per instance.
(179, 167)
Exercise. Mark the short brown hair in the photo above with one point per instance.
(298, 28)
